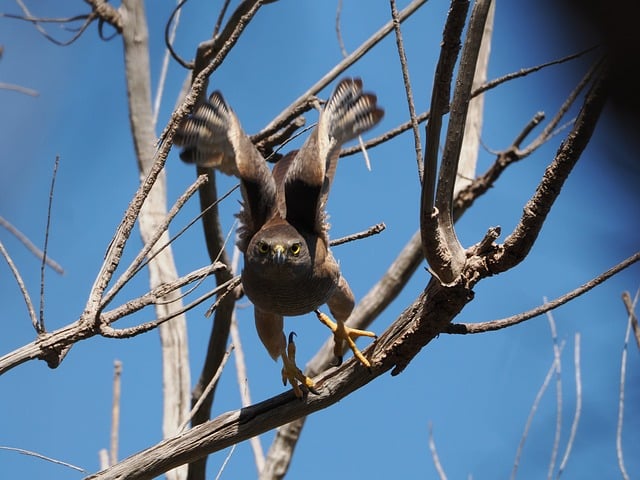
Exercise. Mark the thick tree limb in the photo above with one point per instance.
(176, 377)
(442, 249)
(431, 311)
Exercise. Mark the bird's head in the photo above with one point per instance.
(280, 247)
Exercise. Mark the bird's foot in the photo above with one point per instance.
(343, 333)
(292, 374)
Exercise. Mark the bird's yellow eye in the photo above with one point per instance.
(295, 249)
(263, 247)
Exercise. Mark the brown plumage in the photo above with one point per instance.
(288, 267)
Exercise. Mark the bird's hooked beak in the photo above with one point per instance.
(279, 254)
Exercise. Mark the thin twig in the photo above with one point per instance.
(31, 19)
(41, 327)
(36, 22)
(202, 213)
(343, 50)
(226, 460)
(548, 131)
(301, 104)
(407, 87)
(109, 332)
(241, 371)
(223, 12)
(434, 455)
(30, 246)
(478, 91)
(374, 230)
(517, 245)
(482, 327)
(168, 33)
(115, 412)
(208, 389)
(223, 45)
(43, 457)
(151, 297)
(576, 416)
(19, 88)
(630, 306)
(532, 412)
(623, 374)
(243, 385)
(556, 356)
(137, 262)
(165, 67)
(21, 286)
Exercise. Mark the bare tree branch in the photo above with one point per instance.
(281, 450)
(576, 417)
(630, 306)
(155, 236)
(303, 103)
(115, 413)
(623, 374)
(23, 289)
(107, 13)
(519, 242)
(170, 35)
(30, 246)
(41, 327)
(407, 87)
(176, 378)
(207, 389)
(451, 38)
(19, 88)
(243, 386)
(210, 57)
(482, 327)
(419, 324)
(434, 455)
(377, 228)
(28, 17)
(532, 412)
(558, 362)
(442, 249)
(477, 91)
(42, 457)
(470, 148)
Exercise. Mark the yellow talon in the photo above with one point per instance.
(343, 333)
(292, 374)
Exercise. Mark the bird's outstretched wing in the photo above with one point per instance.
(348, 113)
(213, 137)
(204, 138)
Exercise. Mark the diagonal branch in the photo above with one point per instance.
(482, 327)
(518, 244)
(304, 102)
(491, 84)
(417, 326)
(30, 246)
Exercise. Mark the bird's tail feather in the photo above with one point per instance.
(350, 111)
(204, 135)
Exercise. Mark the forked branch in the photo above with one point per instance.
(441, 246)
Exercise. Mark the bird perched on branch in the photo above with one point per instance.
(288, 267)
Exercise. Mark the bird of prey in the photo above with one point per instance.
(288, 267)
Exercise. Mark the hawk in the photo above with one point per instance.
(289, 269)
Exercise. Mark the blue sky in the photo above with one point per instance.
(476, 390)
